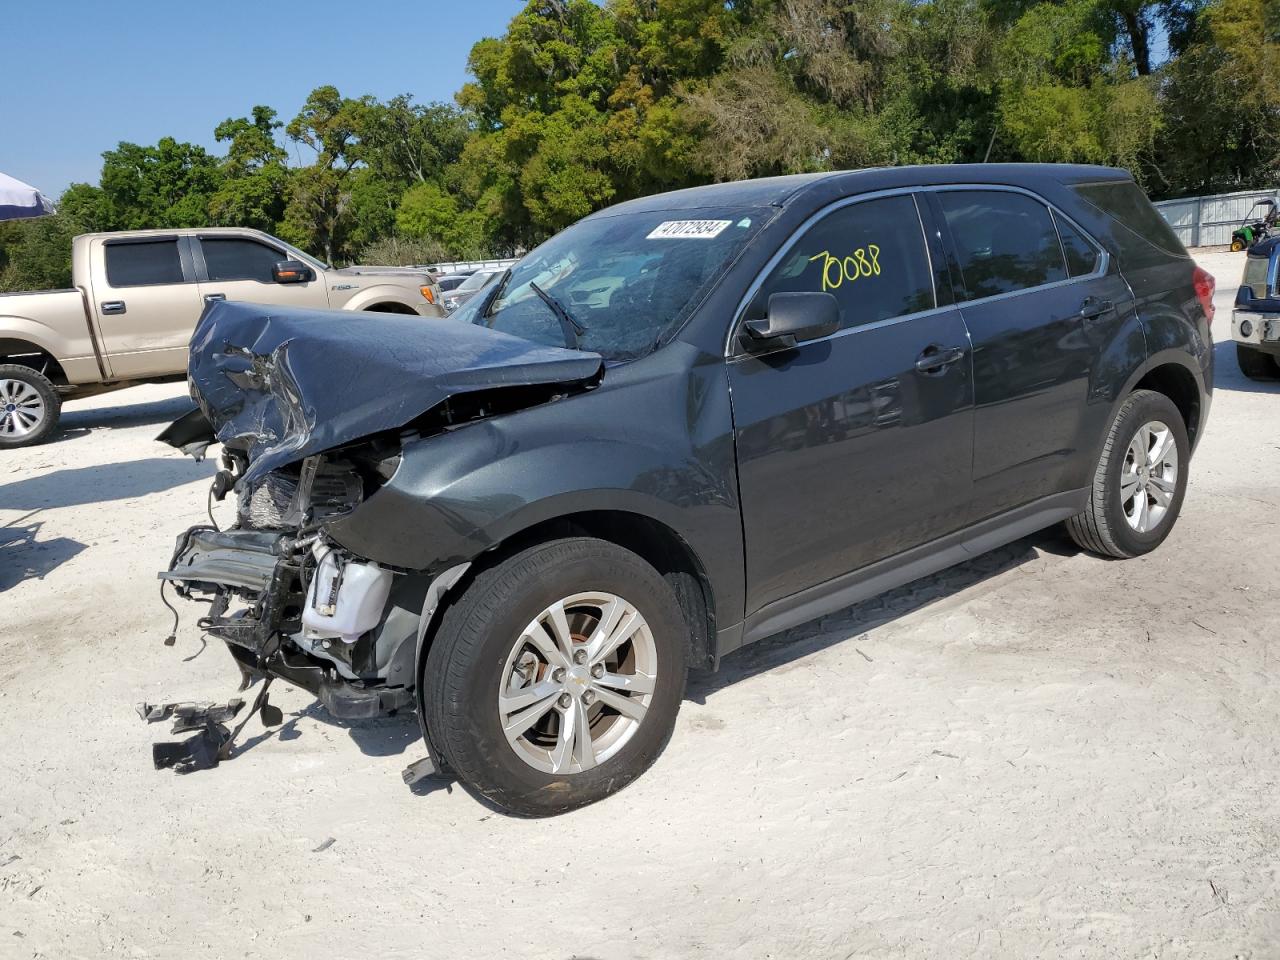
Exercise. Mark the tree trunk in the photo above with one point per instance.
(1138, 41)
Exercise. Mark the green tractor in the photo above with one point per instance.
(1254, 230)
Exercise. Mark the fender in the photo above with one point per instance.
(42, 336)
(457, 494)
(386, 293)
(1179, 357)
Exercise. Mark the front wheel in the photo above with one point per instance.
(555, 679)
(1139, 482)
(29, 406)
(1237, 245)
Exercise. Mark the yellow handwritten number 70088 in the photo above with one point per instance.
(863, 262)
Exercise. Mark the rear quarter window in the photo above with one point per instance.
(1144, 237)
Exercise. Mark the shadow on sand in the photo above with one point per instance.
(76, 486)
(25, 557)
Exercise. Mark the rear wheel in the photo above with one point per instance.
(1139, 482)
(555, 679)
(29, 406)
(1257, 365)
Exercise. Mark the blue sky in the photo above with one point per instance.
(77, 77)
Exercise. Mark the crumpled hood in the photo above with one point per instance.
(284, 383)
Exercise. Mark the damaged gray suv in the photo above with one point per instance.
(685, 423)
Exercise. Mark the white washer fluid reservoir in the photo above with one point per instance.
(345, 598)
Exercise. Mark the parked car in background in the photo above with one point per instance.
(685, 423)
(1255, 321)
(451, 281)
(468, 289)
(136, 299)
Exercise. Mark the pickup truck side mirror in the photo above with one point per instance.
(292, 271)
(793, 318)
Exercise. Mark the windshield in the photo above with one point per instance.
(625, 280)
(477, 280)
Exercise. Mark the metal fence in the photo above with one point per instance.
(1208, 221)
(457, 265)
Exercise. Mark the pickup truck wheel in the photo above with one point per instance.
(1257, 365)
(29, 406)
(555, 679)
(1139, 482)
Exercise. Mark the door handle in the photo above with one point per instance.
(214, 297)
(1094, 307)
(112, 306)
(934, 358)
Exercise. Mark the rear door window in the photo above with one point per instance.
(143, 263)
(870, 256)
(234, 258)
(1005, 242)
(1082, 253)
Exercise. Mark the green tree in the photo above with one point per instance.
(255, 173)
(317, 214)
(167, 185)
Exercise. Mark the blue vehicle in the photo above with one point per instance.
(1255, 321)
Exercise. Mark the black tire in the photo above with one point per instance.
(1102, 527)
(1257, 365)
(48, 393)
(464, 670)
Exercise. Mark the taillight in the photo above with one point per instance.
(429, 295)
(1204, 283)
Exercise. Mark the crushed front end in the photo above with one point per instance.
(314, 419)
(291, 603)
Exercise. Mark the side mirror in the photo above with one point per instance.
(292, 271)
(793, 318)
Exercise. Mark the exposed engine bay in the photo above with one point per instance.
(302, 447)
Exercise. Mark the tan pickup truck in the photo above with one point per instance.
(136, 299)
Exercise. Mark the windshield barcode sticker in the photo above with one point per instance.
(688, 229)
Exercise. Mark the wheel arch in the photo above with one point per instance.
(389, 306)
(1179, 384)
(25, 353)
(652, 540)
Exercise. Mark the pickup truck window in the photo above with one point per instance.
(143, 264)
(233, 258)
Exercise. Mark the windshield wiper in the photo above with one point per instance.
(573, 330)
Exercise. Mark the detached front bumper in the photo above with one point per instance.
(257, 583)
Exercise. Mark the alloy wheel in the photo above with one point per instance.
(577, 683)
(1149, 476)
(22, 408)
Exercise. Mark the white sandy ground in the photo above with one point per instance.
(1037, 754)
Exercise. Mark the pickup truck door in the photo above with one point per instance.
(239, 268)
(146, 303)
